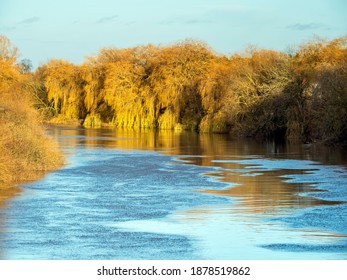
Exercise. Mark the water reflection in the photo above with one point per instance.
(129, 194)
(267, 193)
(8, 192)
(191, 143)
(258, 191)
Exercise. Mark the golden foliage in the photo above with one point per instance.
(264, 93)
(64, 86)
(24, 149)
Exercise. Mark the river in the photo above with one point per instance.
(180, 195)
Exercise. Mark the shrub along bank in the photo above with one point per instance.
(25, 151)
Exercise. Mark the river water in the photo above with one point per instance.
(167, 195)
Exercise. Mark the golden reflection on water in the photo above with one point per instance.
(8, 192)
(191, 143)
(256, 192)
(267, 193)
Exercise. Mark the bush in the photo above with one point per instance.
(25, 151)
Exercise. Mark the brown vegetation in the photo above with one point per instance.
(264, 93)
(25, 152)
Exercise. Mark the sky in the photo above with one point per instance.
(75, 29)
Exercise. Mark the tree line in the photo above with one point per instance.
(298, 96)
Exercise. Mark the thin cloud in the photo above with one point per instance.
(211, 16)
(19, 24)
(185, 21)
(107, 19)
(29, 20)
(306, 26)
(196, 21)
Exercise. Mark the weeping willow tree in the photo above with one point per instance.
(125, 89)
(175, 79)
(217, 100)
(96, 110)
(123, 86)
(65, 89)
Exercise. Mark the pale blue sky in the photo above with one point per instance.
(71, 30)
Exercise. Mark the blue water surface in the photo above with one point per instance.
(118, 199)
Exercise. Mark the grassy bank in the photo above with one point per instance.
(25, 151)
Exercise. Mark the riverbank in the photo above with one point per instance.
(26, 153)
